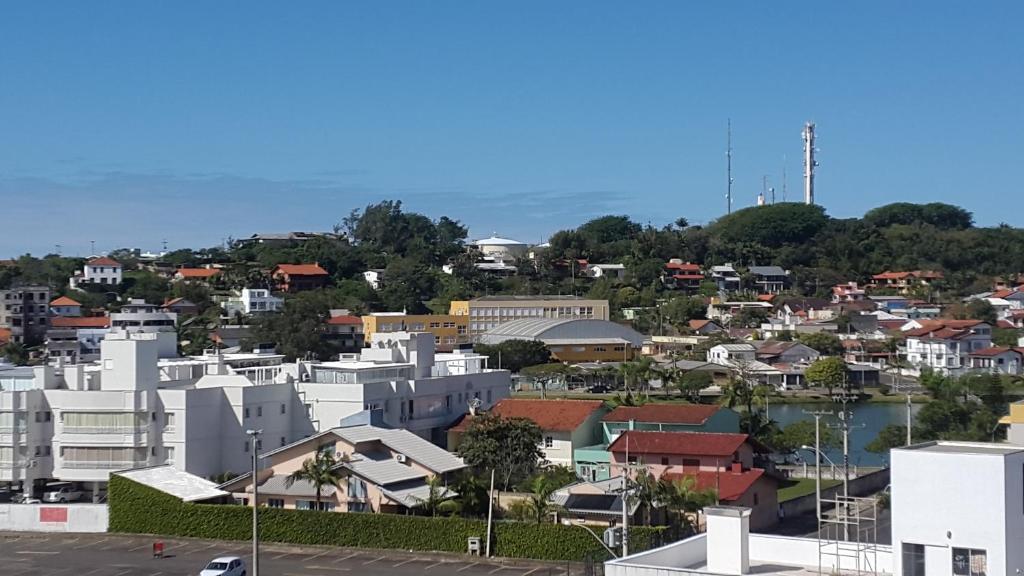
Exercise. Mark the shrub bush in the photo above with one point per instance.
(138, 509)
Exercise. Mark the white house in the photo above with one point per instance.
(374, 277)
(105, 271)
(946, 345)
(253, 301)
(140, 317)
(612, 271)
(728, 354)
(500, 249)
(998, 360)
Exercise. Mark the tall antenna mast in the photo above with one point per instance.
(783, 177)
(728, 166)
(809, 162)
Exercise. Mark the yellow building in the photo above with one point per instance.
(449, 331)
(488, 312)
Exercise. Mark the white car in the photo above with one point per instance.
(224, 566)
(63, 494)
(26, 499)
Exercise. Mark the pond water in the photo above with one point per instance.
(868, 419)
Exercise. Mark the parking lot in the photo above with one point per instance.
(108, 555)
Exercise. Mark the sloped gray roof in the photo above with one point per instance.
(170, 480)
(277, 485)
(381, 468)
(767, 270)
(412, 496)
(577, 329)
(404, 442)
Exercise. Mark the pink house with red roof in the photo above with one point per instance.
(720, 461)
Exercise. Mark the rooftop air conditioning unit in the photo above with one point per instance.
(400, 458)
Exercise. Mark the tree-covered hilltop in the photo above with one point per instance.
(411, 249)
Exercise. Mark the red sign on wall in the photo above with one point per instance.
(53, 515)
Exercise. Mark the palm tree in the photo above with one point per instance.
(681, 496)
(439, 498)
(539, 501)
(646, 494)
(321, 470)
(473, 493)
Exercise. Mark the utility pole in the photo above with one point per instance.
(817, 455)
(844, 425)
(490, 513)
(255, 434)
(728, 167)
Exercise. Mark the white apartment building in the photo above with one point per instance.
(253, 301)
(132, 408)
(945, 346)
(957, 510)
(400, 374)
(106, 271)
(139, 317)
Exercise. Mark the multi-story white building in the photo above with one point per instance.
(104, 271)
(133, 408)
(139, 317)
(945, 346)
(400, 374)
(253, 301)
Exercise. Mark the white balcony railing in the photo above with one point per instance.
(13, 429)
(103, 465)
(104, 429)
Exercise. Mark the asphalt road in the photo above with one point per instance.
(24, 554)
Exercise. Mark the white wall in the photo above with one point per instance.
(956, 499)
(68, 517)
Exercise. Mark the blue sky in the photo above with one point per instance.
(132, 122)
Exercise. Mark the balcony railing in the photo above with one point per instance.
(13, 429)
(105, 429)
(102, 465)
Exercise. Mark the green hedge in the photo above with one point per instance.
(138, 509)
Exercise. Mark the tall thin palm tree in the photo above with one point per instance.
(539, 500)
(321, 470)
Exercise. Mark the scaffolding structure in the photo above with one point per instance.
(857, 516)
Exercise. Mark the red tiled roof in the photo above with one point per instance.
(1002, 293)
(301, 269)
(554, 415)
(65, 301)
(103, 261)
(942, 328)
(993, 351)
(891, 275)
(5, 335)
(698, 324)
(687, 267)
(1004, 324)
(197, 272)
(341, 320)
(695, 414)
(80, 322)
(730, 485)
(765, 297)
(679, 443)
(925, 274)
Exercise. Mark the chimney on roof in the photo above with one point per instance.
(728, 541)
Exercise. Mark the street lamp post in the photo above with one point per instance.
(255, 434)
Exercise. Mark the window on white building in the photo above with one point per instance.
(549, 441)
(259, 411)
(275, 503)
(913, 559)
(969, 562)
(169, 454)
